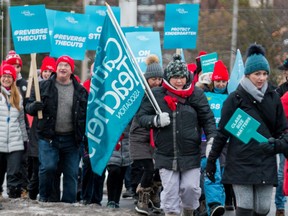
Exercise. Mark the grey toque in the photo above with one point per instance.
(153, 67)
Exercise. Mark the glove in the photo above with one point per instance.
(209, 146)
(162, 119)
(37, 105)
(268, 147)
(211, 169)
(281, 145)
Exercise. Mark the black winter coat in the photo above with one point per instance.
(178, 144)
(49, 97)
(245, 163)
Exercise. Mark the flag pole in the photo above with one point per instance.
(139, 72)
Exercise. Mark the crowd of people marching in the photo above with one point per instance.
(180, 161)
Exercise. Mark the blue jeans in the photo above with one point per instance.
(280, 199)
(63, 147)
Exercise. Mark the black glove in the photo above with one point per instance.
(281, 145)
(37, 105)
(211, 169)
(268, 147)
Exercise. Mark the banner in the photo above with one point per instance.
(50, 14)
(181, 26)
(30, 31)
(69, 35)
(216, 103)
(128, 29)
(115, 96)
(237, 73)
(144, 44)
(97, 15)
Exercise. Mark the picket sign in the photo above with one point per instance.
(33, 78)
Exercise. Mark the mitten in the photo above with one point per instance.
(162, 119)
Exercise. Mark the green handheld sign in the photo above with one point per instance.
(244, 127)
(208, 61)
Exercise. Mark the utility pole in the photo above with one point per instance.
(8, 28)
(128, 12)
(2, 32)
(234, 34)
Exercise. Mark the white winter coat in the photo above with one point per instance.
(12, 125)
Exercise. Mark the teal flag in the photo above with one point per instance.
(237, 73)
(244, 127)
(115, 95)
(30, 29)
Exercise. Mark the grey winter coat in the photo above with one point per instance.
(121, 157)
(178, 144)
(12, 126)
(139, 141)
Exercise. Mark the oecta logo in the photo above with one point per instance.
(182, 11)
(27, 13)
(142, 38)
(71, 20)
(101, 12)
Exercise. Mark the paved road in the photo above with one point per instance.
(128, 203)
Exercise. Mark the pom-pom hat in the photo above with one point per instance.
(220, 72)
(176, 68)
(284, 66)
(48, 63)
(153, 67)
(256, 60)
(66, 59)
(13, 58)
(8, 69)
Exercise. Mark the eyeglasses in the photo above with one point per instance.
(64, 65)
(7, 77)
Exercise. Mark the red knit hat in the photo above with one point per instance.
(284, 100)
(220, 71)
(48, 63)
(66, 59)
(201, 53)
(8, 69)
(13, 58)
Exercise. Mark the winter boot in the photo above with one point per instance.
(244, 212)
(143, 201)
(155, 196)
(187, 212)
(14, 192)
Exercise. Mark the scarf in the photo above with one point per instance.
(249, 87)
(181, 94)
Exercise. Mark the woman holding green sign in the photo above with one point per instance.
(250, 166)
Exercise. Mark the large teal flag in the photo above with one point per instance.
(237, 73)
(115, 95)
